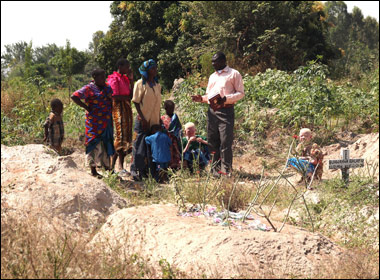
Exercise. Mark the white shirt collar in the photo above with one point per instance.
(225, 69)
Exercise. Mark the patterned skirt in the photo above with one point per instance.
(122, 117)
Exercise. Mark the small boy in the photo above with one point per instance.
(159, 143)
(196, 147)
(54, 130)
(173, 126)
(310, 156)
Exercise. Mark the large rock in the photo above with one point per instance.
(195, 246)
(177, 84)
(35, 180)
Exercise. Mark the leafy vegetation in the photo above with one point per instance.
(305, 64)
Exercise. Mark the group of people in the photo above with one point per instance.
(158, 143)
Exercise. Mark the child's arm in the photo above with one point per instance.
(305, 158)
(192, 138)
(46, 126)
(200, 140)
(187, 146)
(48, 122)
(62, 128)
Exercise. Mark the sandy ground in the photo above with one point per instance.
(36, 180)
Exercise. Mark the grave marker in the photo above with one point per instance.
(345, 163)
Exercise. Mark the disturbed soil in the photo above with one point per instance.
(34, 180)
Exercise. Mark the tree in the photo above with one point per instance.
(69, 61)
(356, 37)
(264, 34)
(147, 29)
(96, 39)
(14, 54)
(13, 59)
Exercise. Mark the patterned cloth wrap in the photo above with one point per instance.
(144, 70)
(173, 127)
(121, 111)
(122, 115)
(98, 124)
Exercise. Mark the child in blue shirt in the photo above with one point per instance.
(159, 144)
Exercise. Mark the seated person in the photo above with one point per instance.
(159, 145)
(173, 126)
(195, 148)
(310, 156)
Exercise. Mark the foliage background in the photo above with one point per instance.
(310, 63)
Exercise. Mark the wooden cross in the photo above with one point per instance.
(345, 164)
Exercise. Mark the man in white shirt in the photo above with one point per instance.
(228, 83)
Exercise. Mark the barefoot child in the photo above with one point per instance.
(173, 127)
(310, 156)
(54, 129)
(195, 147)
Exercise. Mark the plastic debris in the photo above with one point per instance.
(220, 218)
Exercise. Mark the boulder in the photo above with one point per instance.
(35, 180)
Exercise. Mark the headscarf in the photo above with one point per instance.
(144, 70)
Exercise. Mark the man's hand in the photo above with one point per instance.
(221, 101)
(196, 98)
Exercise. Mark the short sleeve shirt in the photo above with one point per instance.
(149, 99)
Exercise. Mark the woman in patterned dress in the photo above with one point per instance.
(97, 96)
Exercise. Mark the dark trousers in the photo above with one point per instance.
(220, 136)
(139, 151)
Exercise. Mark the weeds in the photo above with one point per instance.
(28, 250)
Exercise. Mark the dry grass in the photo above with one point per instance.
(354, 264)
(31, 249)
(28, 250)
(8, 101)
